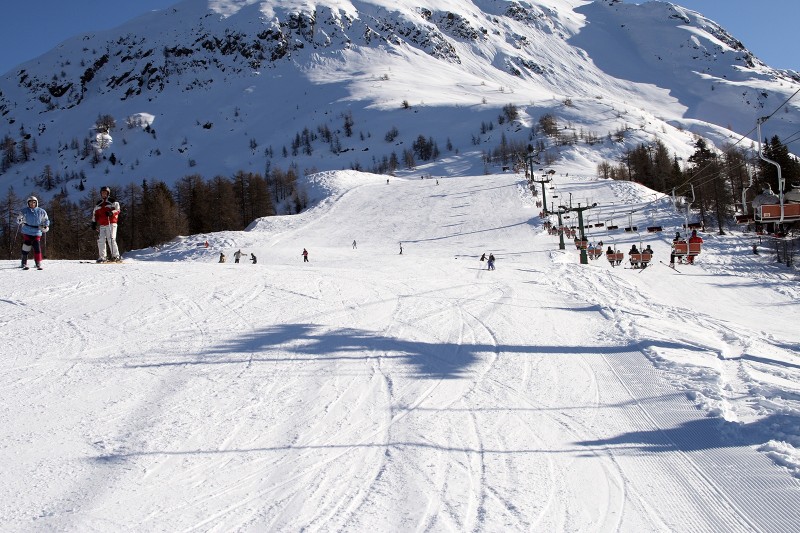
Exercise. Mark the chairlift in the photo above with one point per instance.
(687, 225)
(631, 228)
(685, 250)
(787, 208)
(615, 257)
(610, 222)
(653, 227)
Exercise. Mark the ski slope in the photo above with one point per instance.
(372, 391)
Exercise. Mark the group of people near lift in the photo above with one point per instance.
(681, 250)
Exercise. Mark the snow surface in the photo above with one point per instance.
(372, 391)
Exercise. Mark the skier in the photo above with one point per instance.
(305, 255)
(237, 255)
(672, 256)
(490, 263)
(35, 223)
(354, 244)
(694, 239)
(253, 258)
(634, 251)
(104, 221)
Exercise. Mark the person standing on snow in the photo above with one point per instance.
(305, 255)
(34, 222)
(237, 255)
(490, 262)
(104, 221)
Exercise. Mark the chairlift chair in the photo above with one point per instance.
(641, 259)
(631, 228)
(787, 208)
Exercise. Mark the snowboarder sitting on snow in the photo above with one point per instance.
(253, 258)
(34, 222)
(104, 221)
(221, 257)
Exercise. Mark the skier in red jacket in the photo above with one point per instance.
(104, 221)
(694, 239)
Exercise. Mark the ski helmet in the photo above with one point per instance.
(106, 188)
(33, 199)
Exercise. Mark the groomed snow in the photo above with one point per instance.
(372, 391)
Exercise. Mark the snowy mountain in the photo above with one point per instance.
(212, 87)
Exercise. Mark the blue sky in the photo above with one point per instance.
(30, 28)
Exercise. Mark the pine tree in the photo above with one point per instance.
(8, 223)
(225, 215)
(193, 196)
(790, 168)
(705, 172)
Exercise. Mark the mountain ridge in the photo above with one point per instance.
(222, 78)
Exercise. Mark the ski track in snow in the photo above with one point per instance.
(368, 390)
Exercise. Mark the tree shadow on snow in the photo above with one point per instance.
(435, 360)
(701, 434)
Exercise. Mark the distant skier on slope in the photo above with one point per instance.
(305, 255)
(490, 262)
